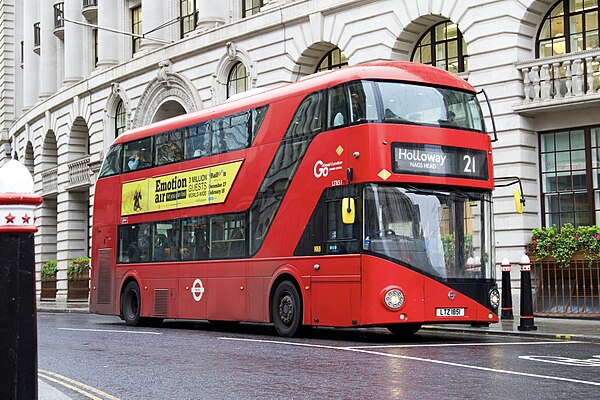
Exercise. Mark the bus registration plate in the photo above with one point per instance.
(449, 312)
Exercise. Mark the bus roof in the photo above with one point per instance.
(382, 70)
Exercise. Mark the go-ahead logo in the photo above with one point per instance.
(322, 170)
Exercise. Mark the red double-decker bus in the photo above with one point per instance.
(352, 198)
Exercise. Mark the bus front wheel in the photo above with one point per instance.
(404, 329)
(286, 309)
(131, 304)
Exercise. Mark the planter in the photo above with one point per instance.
(78, 288)
(48, 291)
(569, 292)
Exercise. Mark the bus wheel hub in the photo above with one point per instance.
(286, 309)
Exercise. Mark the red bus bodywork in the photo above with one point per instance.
(335, 290)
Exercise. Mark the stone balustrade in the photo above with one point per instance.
(79, 173)
(50, 181)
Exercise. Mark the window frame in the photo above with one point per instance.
(589, 169)
(189, 17)
(136, 28)
(328, 57)
(434, 41)
(566, 17)
(234, 80)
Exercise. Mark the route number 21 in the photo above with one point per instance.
(470, 164)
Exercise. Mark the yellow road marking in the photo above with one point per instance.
(44, 374)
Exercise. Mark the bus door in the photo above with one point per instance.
(103, 294)
(335, 273)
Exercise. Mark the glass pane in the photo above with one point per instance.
(595, 157)
(575, 5)
(562, 141)
(426, 39)
(451, 31)
(557, 27)
(591, 21)
(417, 55)
(558, 46)
(551, 202)
(426, 54)
(563, 181)
(566, 202)
(591, 40)
(567, 218)
(545, 49)
(548, 183)
(552, 219)
(576, 24)
(595, 137)
(581, 202)
(587, 4)
(548, 163)
(547, 142)
(576, 42)
(440, 51)
(577, 140)
(578, 160)
(440, 32)
(558, 10)
(545, 31)
(579, 181)
(563, 162)
(452, 49)
(582, 218)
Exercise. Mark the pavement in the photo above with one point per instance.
(547, 328)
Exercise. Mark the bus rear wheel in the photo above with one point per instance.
(404, 329)
(131, 304)
(286, 309)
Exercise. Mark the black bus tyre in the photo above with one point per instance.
(131, 304)
(404, 329)
(286, 309)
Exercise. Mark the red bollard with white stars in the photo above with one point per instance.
(18, 327)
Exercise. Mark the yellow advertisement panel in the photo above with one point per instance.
(184, 189)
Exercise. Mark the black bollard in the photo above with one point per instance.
(18, 328)
(526, 321)
(507, 306)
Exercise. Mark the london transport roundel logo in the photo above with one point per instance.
(197, 290)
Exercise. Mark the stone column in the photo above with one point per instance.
(48, 46)
(154, 14)
(108, 42)
(74, 42)
(30, 58)
(211, 13)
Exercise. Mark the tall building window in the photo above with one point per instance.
(334, 59)
(187, 9)
(59, 14)
(570, 26)
(443, 46)
(251, 7)
(136, 27)
(120, 119)
(570, 175)
(95, 46)
(237, 81)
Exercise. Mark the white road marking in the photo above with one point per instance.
(405, 346)
(452, 364)
(111, 331)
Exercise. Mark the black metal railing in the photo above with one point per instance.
(572, 291)
(59, 15)
(90, 3)
(36, 34)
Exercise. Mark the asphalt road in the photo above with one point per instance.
(88, 355)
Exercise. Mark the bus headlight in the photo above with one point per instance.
(494, 298)
(394, 299)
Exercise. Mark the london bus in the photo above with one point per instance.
(359, 197)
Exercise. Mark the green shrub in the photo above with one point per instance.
(49, 269)
(78, 266)
(562, 243)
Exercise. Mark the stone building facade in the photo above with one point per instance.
(76, 73)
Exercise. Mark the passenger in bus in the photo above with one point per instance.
(162, 248)
(135, 160)
(358, 112)
(203, 148)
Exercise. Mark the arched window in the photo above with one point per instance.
(237, 82)
(570, 26)
(335, 59)
(443, 46)
(120, 119)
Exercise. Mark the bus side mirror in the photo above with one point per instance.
(348, 214)
(518, 202)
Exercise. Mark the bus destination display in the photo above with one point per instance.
(430, 159)
(185, 189)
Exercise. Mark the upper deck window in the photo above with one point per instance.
(402, 103)
(137, 155)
